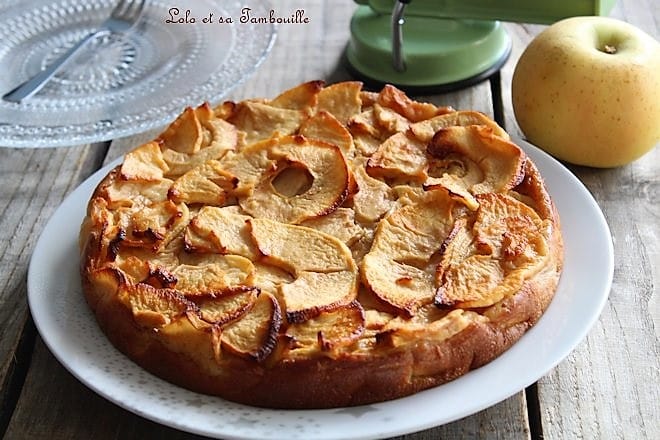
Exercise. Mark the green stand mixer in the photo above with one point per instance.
(434, 46)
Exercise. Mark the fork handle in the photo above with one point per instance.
(37, 82)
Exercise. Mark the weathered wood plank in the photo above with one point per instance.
(506, 420)
(608, 387)
(620, 356)
(34, 183)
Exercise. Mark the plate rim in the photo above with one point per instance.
(549, 165)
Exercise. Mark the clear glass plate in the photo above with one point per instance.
(121, 84)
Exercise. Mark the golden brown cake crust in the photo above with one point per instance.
(329, 247)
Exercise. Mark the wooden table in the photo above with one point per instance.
(608, 388)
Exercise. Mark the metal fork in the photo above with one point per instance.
(122, 18)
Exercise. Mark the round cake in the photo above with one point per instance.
(329, 247)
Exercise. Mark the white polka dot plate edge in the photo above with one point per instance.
(70, 331)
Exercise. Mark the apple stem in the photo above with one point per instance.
(609, 49)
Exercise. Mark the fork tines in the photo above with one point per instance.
(128, 9)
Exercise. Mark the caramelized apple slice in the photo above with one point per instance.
(215, 131)
(391, 121)
(258, 167)
(329, 330)
(224, 110)
(255, 334)
(459, 244)
(456, 174)
(325, 127)
(478, 281)
(221, 136)
(532, 189)
(457, 188)
(366, 145)
(368, 98)
(340, 224)
(424, 130)
(228, 306)
(220, 230)
(155, 225)
(402, 332)
(374, 197)
(184, 135)
(361, 247)
(510, 245)
(252, 162)
(153, 307)
(135, 269)
(154, 220)
(199, 242)
(144, 163)
(365, 123)
(415, 111)
(501, 161)
(215, 274)
(159, 277)
(302, 97)
(342, 100)
(142, 264)
(296, 203)
(509, 229)
(196, 137)
(398, 268)
(297, 249)
(401, 285)
(367, 132)
(324, 271)
(399, 157)
(314, 292)
(261, 121)
(132, 193)
(269, 278)
(207, 183)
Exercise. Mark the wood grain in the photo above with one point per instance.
(34, 183)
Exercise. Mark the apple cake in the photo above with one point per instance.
(328, 247)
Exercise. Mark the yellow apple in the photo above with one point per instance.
(587, 90)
